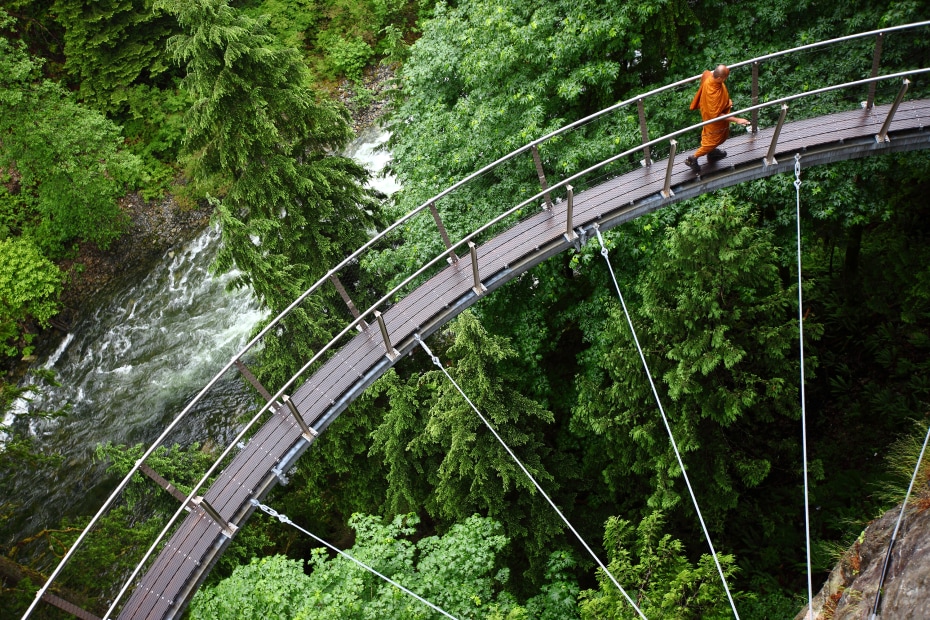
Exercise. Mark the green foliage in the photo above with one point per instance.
(431, 435)
(29, 289)
(71, 164)
(656, 573)
(720, 346)
(457, 572)
(260, 134)
(347, 56)
(112, 46)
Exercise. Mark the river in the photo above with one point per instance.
(134, 361)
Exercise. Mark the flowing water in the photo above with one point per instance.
(134, 361)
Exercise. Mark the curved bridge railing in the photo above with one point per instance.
(300, 419)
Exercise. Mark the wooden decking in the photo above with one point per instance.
(166, 588)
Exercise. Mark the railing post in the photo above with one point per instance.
(769, 159)
(479, 288)
(667, 188)
(882, 135)
(245, 372)
(442, 231)
(644, 130)
(570, 235)
(229, 530)
(754, 117)
(876, 58)
(308, 433)
(542, 176)
(348, 300)
(160, 481)
(392, 353)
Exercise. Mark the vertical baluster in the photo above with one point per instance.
(876, 59)
(542, 176)
(644, 130)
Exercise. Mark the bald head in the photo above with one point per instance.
(721, 72)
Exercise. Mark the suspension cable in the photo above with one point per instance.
(897, 525)
(529, 475)
(284, 519)
(668, 428)
(807, 512)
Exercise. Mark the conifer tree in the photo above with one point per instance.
(259, 134)
(110, 45)
(715, 321)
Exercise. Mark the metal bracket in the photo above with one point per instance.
(667, 188)
(308, 433)
(570, 235)
(882, 135)
(392, 353)
(769, 158)
(280, 475)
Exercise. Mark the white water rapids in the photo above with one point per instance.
(131, 364)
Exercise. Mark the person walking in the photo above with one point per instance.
(713, 100)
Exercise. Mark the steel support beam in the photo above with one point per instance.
(754, 116)
(876, 59)
(348, 300)
(229, 530)
(245, 372)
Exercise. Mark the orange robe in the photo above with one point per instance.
(713, 100)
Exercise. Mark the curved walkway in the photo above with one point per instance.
(184, 562)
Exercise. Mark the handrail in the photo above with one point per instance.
(407, 217)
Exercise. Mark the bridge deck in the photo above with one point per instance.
(166, 588)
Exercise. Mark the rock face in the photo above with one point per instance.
(850, 590)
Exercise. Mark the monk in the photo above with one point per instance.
(713, 100)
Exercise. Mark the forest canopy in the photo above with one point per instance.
(231, 104)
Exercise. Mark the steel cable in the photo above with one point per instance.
(668, 428)
(613, 579)
(284, 519)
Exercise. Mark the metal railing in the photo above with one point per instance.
(450, 254)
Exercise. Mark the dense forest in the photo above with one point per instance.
(232, 104)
